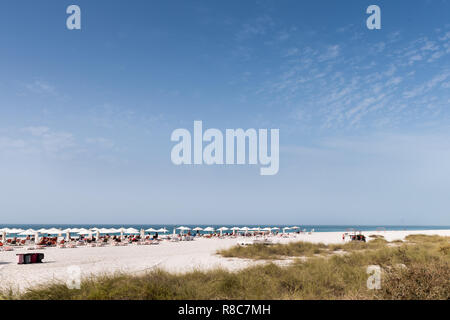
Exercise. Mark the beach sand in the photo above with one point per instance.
(182, 256)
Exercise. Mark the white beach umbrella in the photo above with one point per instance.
(245, 229)
(110, 230)
(132, 231)
(163, 230)
(295, 227)
(222, 229)
(28, 232)
(235, 229)
(197, 229)
(286, 228)
(267, 229)
(54, 231)
(84, 232)
(42, 230)
(275, 228)
(151, 230)
(183, 229)
(209, 229)
(15, 231)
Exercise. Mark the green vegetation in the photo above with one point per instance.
(297, 249)
(417, 269)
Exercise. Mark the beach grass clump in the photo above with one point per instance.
(376, 236)
(275, 251)
(297, 249)
(422, 238)
(409, 271)
(418, 281)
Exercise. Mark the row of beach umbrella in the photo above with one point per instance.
(234, 229)
(81, 231)
(122, 231)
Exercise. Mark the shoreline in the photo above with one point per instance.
(177, 257)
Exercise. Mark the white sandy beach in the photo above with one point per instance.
(171, 256)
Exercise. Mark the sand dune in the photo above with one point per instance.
(171, 256)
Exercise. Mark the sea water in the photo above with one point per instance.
(171, 227)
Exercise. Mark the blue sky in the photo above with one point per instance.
(86, 116)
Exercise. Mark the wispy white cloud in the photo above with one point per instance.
(256, 27)
(50, 141)
(350, 85)
(102, 142)
(41, 87)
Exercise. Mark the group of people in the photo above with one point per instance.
(48, 241)
(355, 237)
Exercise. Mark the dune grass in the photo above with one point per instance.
(420, 270)
(276, 251)
(297, 249)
